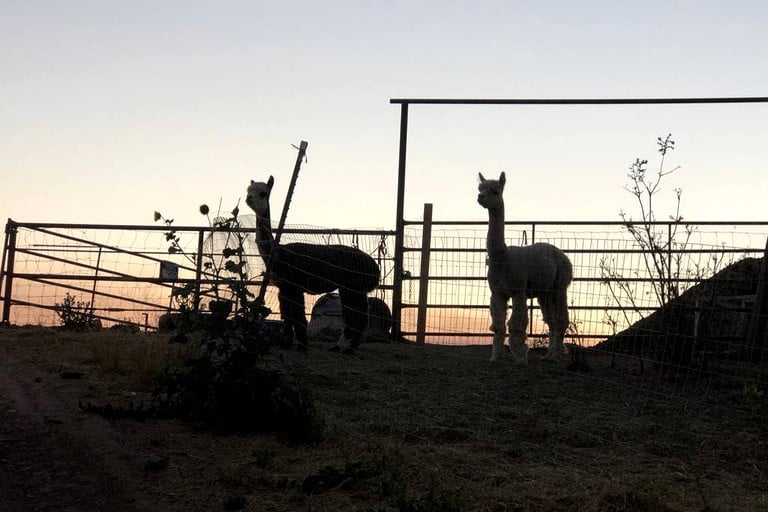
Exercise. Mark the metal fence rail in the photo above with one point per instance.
(116, 269)
(444, 294)
(401, 223)
(446, 299)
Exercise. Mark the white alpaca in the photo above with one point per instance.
(518, 273)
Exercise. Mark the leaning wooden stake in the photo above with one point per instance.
(270, 262)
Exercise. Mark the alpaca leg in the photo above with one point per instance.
(292, 312)
(498, 324)
(355, 311)
(299, 318)
(554, 308)
(286, 304)
(518, 325)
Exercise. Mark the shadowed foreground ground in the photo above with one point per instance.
(408, 428)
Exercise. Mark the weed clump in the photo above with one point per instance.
(75, 315)
(234, 386)
(230, 383)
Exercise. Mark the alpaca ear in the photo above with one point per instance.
(252, 182)
(502, 178)
(482, 179)
(270, 182)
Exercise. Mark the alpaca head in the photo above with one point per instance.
(490, 193)
(258, 196)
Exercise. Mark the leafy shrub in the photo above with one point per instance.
(233, 386)
(75, 315)
(225, 267)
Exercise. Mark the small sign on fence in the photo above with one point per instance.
(169, 271)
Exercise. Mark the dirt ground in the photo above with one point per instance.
(408, 428)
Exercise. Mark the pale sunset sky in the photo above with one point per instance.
(114, 109)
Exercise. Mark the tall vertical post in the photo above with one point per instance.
(198, 269)
(531, 303)
(668, 277)
(397, 281)
(95, 280)
(289, 195)
(9, 255)
(756, 347)
(426, 249)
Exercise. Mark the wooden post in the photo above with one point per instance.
(426, 247)
(758, 324)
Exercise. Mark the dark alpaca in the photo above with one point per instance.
(299, 268)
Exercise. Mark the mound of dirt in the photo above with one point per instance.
(712, 316)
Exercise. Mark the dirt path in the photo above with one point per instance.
(55, 457)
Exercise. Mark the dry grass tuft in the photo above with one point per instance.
(132, 359)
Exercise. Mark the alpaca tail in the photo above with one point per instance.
(564, 274)
(370, 274)
(351, 268)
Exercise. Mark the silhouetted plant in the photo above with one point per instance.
(226, 268)
(664, 262)
(660, 262)
(74, 315)
(663, 246)
(230, 383)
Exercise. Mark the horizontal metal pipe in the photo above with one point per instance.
(576, 101)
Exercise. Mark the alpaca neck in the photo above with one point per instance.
(495, 244)
(264, 238)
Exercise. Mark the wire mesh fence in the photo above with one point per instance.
(127, 274)
(708, 336)
(616, 303)
(703, 334)
(614, 282)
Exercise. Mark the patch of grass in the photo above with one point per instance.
(135, 359)
(140, 357)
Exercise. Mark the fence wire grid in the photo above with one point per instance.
(614, 303)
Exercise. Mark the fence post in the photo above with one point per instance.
(198, 269)
(531, 302)
(95, 280)
(426, 247)
(9, 252)
(668, 277)
(398, 271)
(758, 324)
